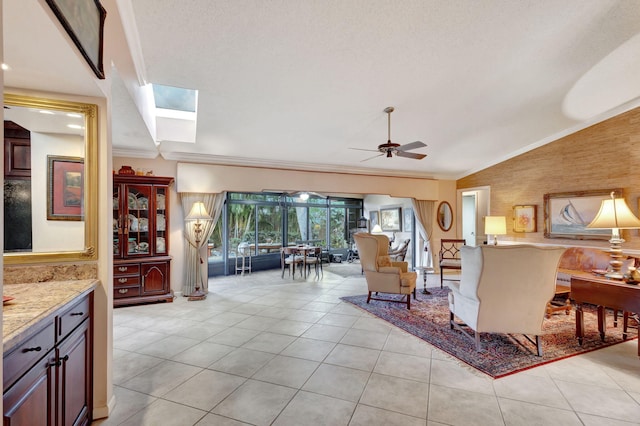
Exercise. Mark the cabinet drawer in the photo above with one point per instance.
(122, 292)
(18, 361)
(125, 281)
(126, 270)
(72, 317)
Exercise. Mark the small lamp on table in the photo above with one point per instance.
(495, 225)
(615, 214)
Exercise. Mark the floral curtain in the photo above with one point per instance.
(193, 263)
(424, 211)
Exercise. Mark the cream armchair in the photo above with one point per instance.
(383, 275)
(504, 289)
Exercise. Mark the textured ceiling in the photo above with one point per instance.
(291, 83)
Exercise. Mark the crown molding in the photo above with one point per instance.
(134, 153)
(285, 165)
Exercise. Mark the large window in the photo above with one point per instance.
(266, 222)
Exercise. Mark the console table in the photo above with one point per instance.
(603, 292)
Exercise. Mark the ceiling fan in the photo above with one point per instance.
(391, 148)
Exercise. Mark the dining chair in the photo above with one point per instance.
(289, 258)
(315, 258)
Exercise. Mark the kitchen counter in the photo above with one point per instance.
(36, 303)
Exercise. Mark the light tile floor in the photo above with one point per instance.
(263, 350)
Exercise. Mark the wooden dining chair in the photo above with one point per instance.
(289, 257)
(315, 258)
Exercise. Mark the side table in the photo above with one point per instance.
(425, 270)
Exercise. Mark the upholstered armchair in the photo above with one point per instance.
(504, 289)
(382, 274)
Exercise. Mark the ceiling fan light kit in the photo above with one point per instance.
(389, 149)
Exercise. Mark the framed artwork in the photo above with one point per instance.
(83, 20)
(390, 219)
(524, 218)
(65, 188)
(567, 214)
(374, 219)
(407, 221)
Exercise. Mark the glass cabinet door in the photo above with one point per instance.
(138, 220)
(161, 220)
(117, 222)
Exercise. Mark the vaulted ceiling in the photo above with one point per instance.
(297, 84)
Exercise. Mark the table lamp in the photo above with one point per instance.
(376, 229)
(198, 213)
(495, 225)
(615, 214)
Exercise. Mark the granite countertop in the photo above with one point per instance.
(36, 303)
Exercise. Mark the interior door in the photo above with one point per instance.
(469, 214)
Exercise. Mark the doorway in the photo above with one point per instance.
(474, 204)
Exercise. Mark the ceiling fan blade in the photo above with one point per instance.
(371, 158)
(410, 155)
(361, 149)
(410, 146)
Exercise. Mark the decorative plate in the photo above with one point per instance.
(143, 203)
(161, 223)
(133, 202)
(143, 224)
(133, 223)
(160, 202)
(599, 271)
(160, 245)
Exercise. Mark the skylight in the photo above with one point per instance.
(176, 113)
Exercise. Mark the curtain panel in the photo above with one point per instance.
(193, 269)
(424, 211)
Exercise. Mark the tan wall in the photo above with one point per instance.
(603, 156)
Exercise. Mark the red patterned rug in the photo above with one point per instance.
(502, 354)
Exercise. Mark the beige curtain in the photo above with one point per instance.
(193, 263)
(424, 211)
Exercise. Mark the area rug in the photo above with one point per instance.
(502, 354)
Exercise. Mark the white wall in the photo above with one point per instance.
(52, 235)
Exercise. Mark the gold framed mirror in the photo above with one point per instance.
(445, 216)
(59, 175)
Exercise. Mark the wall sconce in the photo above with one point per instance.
(495, 225)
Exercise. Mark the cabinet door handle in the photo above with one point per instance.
(123, 290)
(122, 269)
(59, 361)
(36, 349)
(122, 280)
(75, 314)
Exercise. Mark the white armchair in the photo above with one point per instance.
(504, 289)
(382, 274)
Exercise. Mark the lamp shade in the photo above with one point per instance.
(495, 225)
(376, 229)
(198, 212)
(614, 213)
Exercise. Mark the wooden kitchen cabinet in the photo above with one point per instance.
(141, 266)
(50, 380)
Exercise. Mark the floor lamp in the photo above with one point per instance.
(199, 214)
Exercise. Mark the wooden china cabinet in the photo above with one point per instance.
(141, 261)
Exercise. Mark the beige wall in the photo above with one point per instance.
(603, 156)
